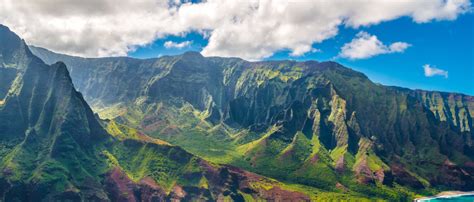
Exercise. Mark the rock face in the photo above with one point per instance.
(455, 109)
(319, 124)
(358, 126)
(48, 133)
(54, 148)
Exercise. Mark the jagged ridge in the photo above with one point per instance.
(52, 147)
(308, 122)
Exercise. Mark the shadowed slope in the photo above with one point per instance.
(52, 147)
(319, 124)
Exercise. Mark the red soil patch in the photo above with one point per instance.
(122, 188)
(340, 167)
(314, 159)
(278, 194)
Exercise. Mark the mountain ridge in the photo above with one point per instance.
(47, 128)
(316, 123)
(331, 64)
(43, 52)
(54, 148)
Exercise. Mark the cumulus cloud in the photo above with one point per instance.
(172, 44)
(301, 51)
(398, 47)
(248, 29)
(366, 46)
(431, 71)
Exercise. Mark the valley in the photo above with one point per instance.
(54, 148)
(298, 122)
(235, 101)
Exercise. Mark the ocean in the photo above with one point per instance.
(460, 198)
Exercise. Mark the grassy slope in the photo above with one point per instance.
(198, 137)
(258, 88)
(144, 160)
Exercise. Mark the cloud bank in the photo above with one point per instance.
(366, 46)
(249, 29)
(431, 71)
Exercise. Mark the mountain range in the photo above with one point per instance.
(189, 127)
(54, 148)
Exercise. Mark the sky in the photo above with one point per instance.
(423, 44)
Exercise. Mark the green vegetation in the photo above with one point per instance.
(313, 131)
(334, 153)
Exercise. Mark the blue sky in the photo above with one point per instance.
(447, 45)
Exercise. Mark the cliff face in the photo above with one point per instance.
(54, 148)
(455, 109)
(108, 80)
(48, 133)
(319, 124)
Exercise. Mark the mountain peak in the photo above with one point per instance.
(192, 54)
(10, 41)
(45, 124)
(62, 73)
(61, 67)
(14, 53)
(52, 147)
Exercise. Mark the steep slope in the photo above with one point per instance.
(319, 124)
(53, 148)
(49, 136)
(112, 79)
(455, 109)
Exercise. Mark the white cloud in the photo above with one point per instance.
(398, 47)
(172, 44)
(431, 71)
(252, 29)
(366, 46)
(302, 50)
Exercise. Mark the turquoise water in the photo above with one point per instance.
(464, 198)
